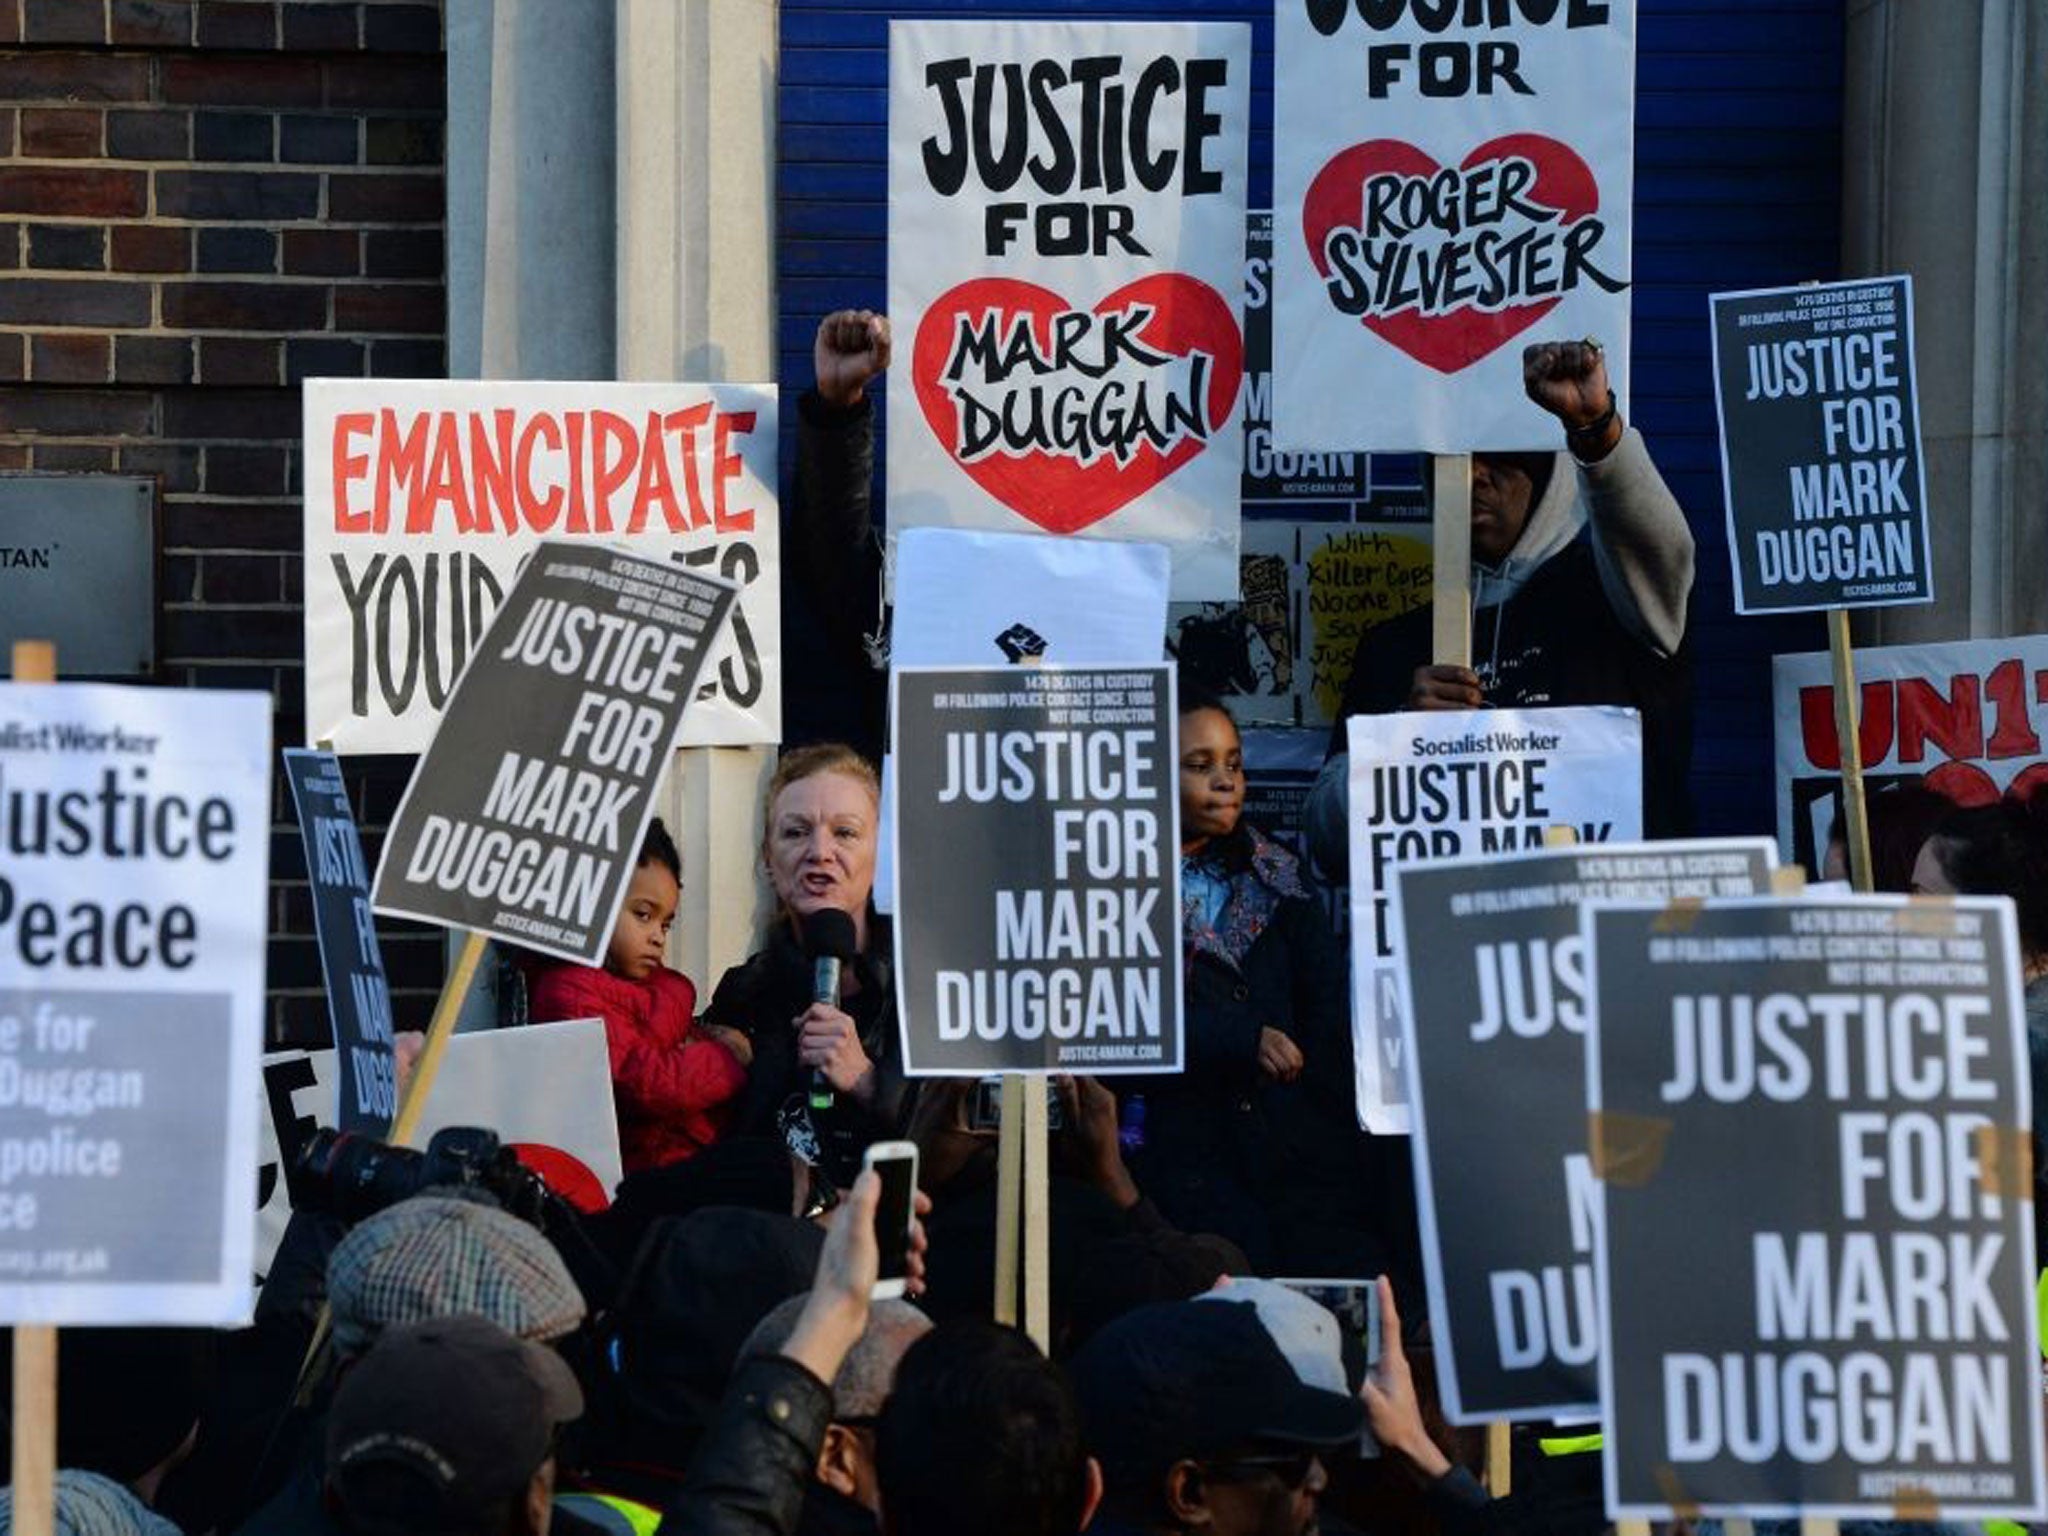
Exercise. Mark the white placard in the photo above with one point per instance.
(136, 826)
(487, 1079)
(424, 498)
(1066, 259)
(1450, 184)
(1450, 784)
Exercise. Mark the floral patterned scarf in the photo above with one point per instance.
(1255, 895)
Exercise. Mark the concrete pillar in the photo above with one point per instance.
(1945, 176)
(530, 189)
(696, 300)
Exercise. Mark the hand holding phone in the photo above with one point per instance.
(895, 1163)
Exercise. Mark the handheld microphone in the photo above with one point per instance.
(829, 940)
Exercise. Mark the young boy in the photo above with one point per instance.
(675, 1082)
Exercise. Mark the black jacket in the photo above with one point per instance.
(1231, 1152)
(761, 997)
(835, 556)
(750, 1474)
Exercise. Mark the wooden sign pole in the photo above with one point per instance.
(1009, 1197)
(35, 1345)
(1451, 589)
(1855, 808)
(413, 1104)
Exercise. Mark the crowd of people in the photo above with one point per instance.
(702, 1355)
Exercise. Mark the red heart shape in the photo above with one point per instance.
(1453, 341)
(1058, 492)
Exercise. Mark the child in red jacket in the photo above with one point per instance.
(675, 1082)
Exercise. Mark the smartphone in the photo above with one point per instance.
(896, 1162)
(985, 1109)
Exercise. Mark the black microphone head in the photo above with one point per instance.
(829, 935)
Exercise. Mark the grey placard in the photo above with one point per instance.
(358, 997)
(1817, 1269)
(524, 818)
(1038, 870)
(1343, 479)
(115, 1108)
(1496, 981)
(1820, 446)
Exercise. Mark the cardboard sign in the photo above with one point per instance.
(1038, 904)
(134, 850)
(1968, 717)
(1455, 784)
(1450, 182)
(1495, 1003)
(524, 819)
(1817, 1277)
(487, 1079)
(358, 998)
(1820, 446)
(1273, 476)
(964, 598)
(424, 498)
(1066, 249)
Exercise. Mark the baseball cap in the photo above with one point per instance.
(1308, 1333)
(1188, 1379)
(441, 1422)
(437, 1255)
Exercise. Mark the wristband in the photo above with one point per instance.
(1597, 427)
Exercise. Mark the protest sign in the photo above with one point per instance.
(964, 598)
(1038, 851)
(1820, 446)
(524, 820)
(358, 998)
(489, 1082)
(135, 825)
(1273, 476)
(1967, 717)
(1066, 257)
(1817, 1270)
(1494, 1001)
(1450, 182)
(424, 498)
(1452, 784)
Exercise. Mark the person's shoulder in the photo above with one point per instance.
(566, 990)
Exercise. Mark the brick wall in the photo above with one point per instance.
(202, 204)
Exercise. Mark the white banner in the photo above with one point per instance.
(1966, 716)
(1457, 784)
(133, 896)
(1066, 262)
(487, 1079)
(1450, 183)
(424, 497)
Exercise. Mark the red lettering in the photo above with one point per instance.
(443, 481)
(1817, 725)
(538, 513)
(491, 466)
(1954, 724)
(616, 450)
(728, 466)
(348, 467)
(686, 423)
(2014, 735)
(655, 482)
(579, 514)
(400, 460)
